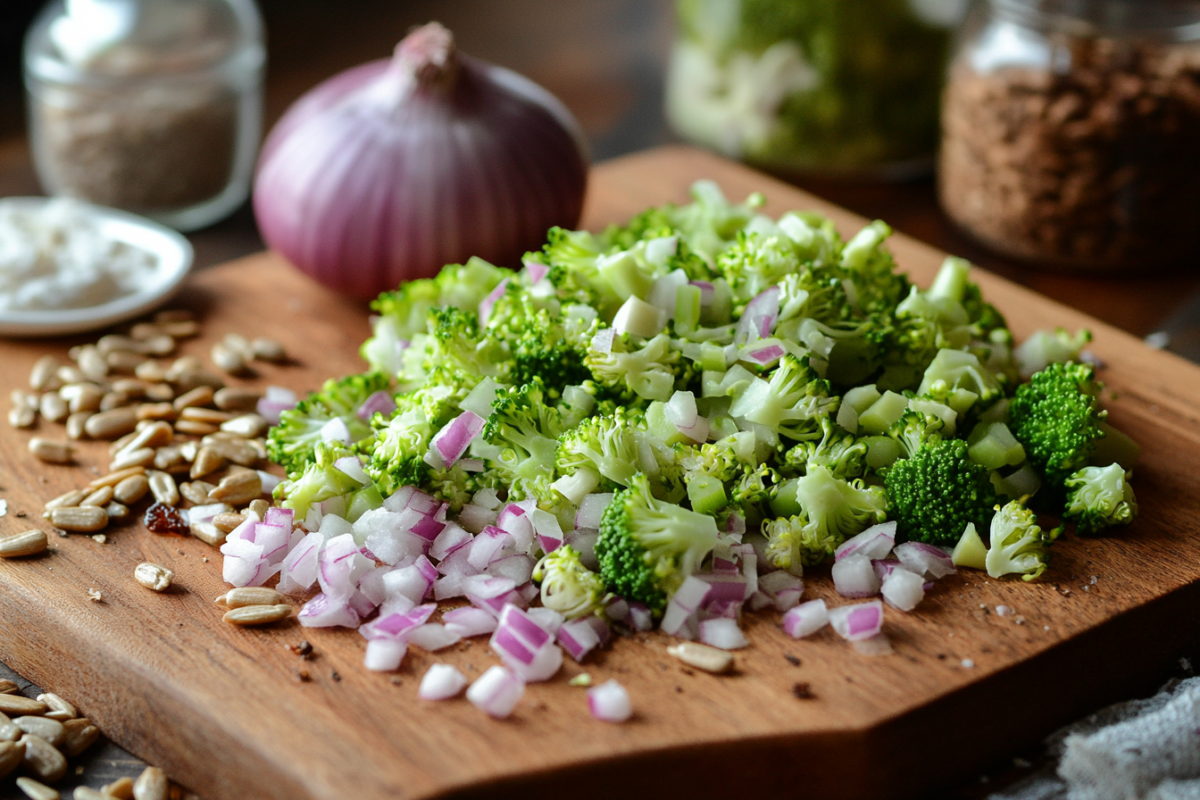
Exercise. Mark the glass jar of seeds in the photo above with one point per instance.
(152, 106)
(1071, 132)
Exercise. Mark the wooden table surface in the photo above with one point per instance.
(604, 59)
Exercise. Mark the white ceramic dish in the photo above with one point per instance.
(172, 249)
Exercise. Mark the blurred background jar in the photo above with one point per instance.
(152, 106)
(1072, 131)
(803, 87)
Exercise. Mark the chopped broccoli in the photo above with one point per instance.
(567, 585)
(1018, 545)
(525, 429)
(838, 451)
(321, 481)
(605, 444)
(792, 403)
(292, 442)
(914, 430)
(1099, 498)
(933, 494)
(648, 373)
(397, 452)
(648, 547)
(1044, 348)
(832, 510)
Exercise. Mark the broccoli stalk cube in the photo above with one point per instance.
(970, 550)
(993, 445)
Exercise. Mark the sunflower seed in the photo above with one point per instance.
(51, 451)
(124, 361)
(190, 379)
(88, 793)
(99, 498)
(111, 424)
(115, 477)
(259, 508)
(115, 343)
(268, 350)
(153, 576)
(42, 759)
(22, 416)
(49, 729)
(82, 397)
(206, 415)
(257, 615)
(245, 596)
(249, 426)
(174, 315)
(11, 754)
(117, 512)
(8, 731)
(156, 411)
(181, 329)
(37, 791)
(142, 457)
(92, 363)
(132, 489)
(151, 372)
(152, 784)
(208, 533)
(60, 709)
(238, 344)
(239, 451)
(228, 522)
(121, 788)
(163, 487)
(196, 491)
(113, 400)
(70, 374)
(44, 374)
(227, 359)
(168, 458)
(207, 462)
(234, 398)
(239, 488)
(67, 500)
(8, 687)
(80, 735)
(200, 396)
(160, 392)
(23, 544)
(76, 424)
(195, 428)
(53, 407)
(701, 656)
(80, 520)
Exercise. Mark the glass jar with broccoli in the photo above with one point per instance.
(813, 86)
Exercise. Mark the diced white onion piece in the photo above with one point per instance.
(479, 400)
(681, 410)
(469, 621)
(806, 619)
(496, 692)
(903, 589)
(722, 632)
(592, 509)
(602, 342)
(441, 682)
(336, 431)
(609, 702)
(384, 655)
(859, 621)
(475, 518)
(433, 636)
(781, 584)
(639, 318)
(660, 250)
(875, 542)
(517, 568)
(487, 303)
(352, 466)
(925, 559)
(855, 577)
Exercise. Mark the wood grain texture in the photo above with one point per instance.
(223, 711)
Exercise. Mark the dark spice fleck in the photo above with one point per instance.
(302, 675)
(303, 649)
(803, 691)
(164, 519)
(396, 681)
(686, 671)
(21, 515)
(791, 659)
(335, 676)
(678, 690)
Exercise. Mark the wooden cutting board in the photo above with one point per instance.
(223, 710)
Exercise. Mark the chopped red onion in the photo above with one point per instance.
(708, 292)
(487, 303)
(784, 588)
(441, 682)
(545, 524)
(578, 638)
(276, 400)
(805, 619)
(878, 645)
(469, 621)
(324, 611)
(856, 622)
(602, 342)
(433, 637)
(547, 619)
(457, 563)
(517, 521)
(412, 582)
(584, 542)
(735, 524)
(340, 564)
(380, 402)
(496, 692)
(548, 544)
(925, 559)
(726, 587)
(884, 568)
(471, 464)
(758, 320)
(616, 610)
(475, 518)
(453, 440)
(875, 542)
(763, 356)
(518, 568)
(384, 655)
(723, 633)
(609, 702)
(640, 617)
(398, 501)
(903, 589)
(450, 539)
(690, 597)
(299, 571)
(269, 482)
(490, 545)
(352, 466)
(854, 576)
(362, 605)
(397, 625)
(760, 600)
(448, 587)
(535, 271)
(592, 509)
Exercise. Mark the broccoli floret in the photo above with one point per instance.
(958, 369)
(567, 585)
(933, 494)
(1057, 416)
(1099, 498)
(1018, 545)
(838, 451)
(551, 348)
(832, 510)
(648, 547)
(397, 452)
(792, 403)
(1044, 348)
(292, 442)
(526, 429)
(574, 257)
(321, 481)
(755, 263)
(915, 429)
(648, 373)
(877, 286)
(726, 459)
(607, 445)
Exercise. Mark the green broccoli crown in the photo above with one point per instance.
(1057, 417)
(1018, 544)
(726, 459)
(756, 262)
(839, 508)
(397, 452)
(321, 480)
(878, 287)
(460, 285)
(648, 373)
(792, 403)
(567, 585)
(290, 443)
(526, 429)
(838, 451)
(605, 444)
(794, 542)
(934, 494)
(552, 349)
(1100, 498)
(914, 429)
(648, 547)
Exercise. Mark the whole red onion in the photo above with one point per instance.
(391, 170)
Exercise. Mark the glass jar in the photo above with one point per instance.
(152, 106)
(1071, 131)
(813, 86)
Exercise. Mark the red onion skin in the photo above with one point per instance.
(366, 182)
